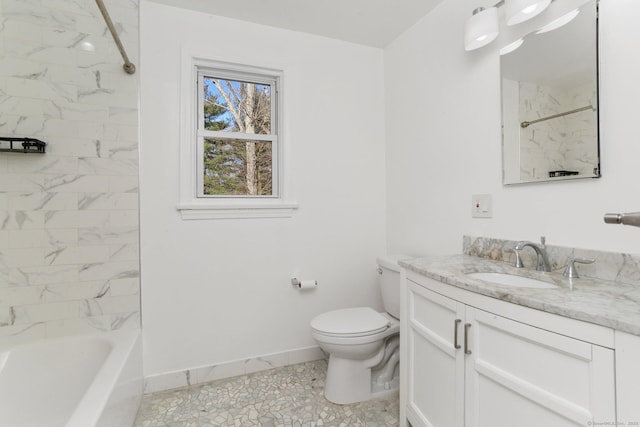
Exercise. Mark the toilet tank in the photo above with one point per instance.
(389, 280)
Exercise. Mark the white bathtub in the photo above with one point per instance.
(86, 381)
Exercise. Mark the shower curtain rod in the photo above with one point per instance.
(128, 66)
(577, 110)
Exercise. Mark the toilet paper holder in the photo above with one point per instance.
(303, 284)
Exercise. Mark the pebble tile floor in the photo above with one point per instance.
(287, 396)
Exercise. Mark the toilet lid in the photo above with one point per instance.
(350, 322)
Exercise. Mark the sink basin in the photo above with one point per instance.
(511, 280)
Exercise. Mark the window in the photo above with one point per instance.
(232, 153)
(237, 134)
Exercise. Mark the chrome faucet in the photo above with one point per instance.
(542, 262)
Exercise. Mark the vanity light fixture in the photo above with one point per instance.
(555, 24)
(511, 47)
(517, 11)
(482, 27)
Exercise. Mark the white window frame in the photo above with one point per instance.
(270, 80)
(195, 205)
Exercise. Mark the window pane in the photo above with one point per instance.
(234, 167)
(237, 106)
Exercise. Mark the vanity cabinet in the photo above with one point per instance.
(627, 379)
(474, 362)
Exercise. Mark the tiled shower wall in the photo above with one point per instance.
(564, 143)
(69, 245)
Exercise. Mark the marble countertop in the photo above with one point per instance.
(610, 304)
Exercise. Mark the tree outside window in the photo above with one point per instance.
(237, 134)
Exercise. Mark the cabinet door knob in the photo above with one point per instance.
(466, 338)
(455, 334)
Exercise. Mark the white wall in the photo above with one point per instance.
(218, 290)
(443, 143)
(69, 218)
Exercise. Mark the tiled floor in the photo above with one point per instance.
(288, 396)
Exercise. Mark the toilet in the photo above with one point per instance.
(363, 345)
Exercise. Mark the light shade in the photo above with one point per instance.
(511, 47)
(563, 20)
(517, 11)
(481, 29)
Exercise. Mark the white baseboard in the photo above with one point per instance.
(203, 374)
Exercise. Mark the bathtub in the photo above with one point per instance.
(84, 381)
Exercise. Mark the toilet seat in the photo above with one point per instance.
(350, 322)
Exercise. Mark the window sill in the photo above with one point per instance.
(190, 211)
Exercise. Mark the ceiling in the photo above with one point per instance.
(369, 22)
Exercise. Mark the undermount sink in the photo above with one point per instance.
(512, 280)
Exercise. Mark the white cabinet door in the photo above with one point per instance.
(435, 396)
(520, 375)
(627, 379)
(511, 374)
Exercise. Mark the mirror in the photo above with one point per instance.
(550, 103)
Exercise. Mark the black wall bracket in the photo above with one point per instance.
(10, 144)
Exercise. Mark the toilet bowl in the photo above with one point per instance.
(363, 344)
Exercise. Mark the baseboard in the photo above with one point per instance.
(204, 374)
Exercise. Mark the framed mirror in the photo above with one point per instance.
(550, 101)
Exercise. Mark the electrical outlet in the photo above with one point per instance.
(481, 206)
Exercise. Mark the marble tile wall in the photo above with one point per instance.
(69, 245)
(563, 143)
(612, 266)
